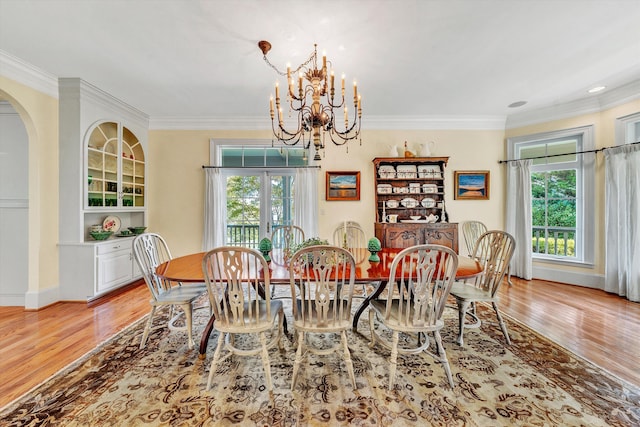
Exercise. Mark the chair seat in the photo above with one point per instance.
(257, 323)
(181, 294)
(332, 324)
(461, 290)
(393, 322)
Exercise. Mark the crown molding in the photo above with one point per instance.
(29, 75)
(75, 88)
(209, 123)
(452, 122)
(368, 123)
(588, 105)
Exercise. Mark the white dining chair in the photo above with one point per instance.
(151, 250)
(420, 278)
(322, 279)
(493, 250)
(236, 277)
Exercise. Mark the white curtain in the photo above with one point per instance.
(306, 201)
(215, 209)
(519, 216)
(622, 221)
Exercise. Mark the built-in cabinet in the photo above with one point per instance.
(410, 202)
(102, 174)
(115, 168)
(100, 267)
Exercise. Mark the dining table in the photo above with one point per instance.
(188, 269)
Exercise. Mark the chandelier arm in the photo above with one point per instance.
(282, 134)
(343, 138)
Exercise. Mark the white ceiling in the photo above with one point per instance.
(186, 59)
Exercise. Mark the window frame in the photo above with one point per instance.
(585, 188)
(263, 172)
(624, 135)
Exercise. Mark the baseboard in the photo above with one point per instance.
(11, 300)
(595, 281)
(41, 298)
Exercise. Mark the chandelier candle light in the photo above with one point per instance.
(314, 102)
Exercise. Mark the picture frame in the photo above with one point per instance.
(343, 185)
(471, 185)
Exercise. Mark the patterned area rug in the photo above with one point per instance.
(532, 382)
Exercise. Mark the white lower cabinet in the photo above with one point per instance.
(95, 268)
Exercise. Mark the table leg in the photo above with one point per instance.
(204, 341)
(376, 292)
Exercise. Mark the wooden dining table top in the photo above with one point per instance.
(188, 268)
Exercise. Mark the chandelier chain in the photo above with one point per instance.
(312, 58)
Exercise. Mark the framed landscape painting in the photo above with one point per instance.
(343, 185)
(471, 185)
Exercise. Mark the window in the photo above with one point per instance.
(260, 188)
(562, 193)
(628, 129)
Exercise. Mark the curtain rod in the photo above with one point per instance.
(260, 167)
(567, 154)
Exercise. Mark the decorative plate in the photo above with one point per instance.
(428, 203)
(111, 223)
(430, 188)
(409, 202)
(429, 171)
(407, 168)
(392, 204)
(384, 189)
(387, 171)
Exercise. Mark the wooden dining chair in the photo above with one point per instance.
(349, 235)
(420, 278)
(493, 250)
(235, 277)
(322, 279)
(151, 250)
(286, 237)
(472, 230)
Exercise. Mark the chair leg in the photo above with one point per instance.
(393, 362)
(347, 359)
(280, 329)
(503, 326)
(147, 327)
(188, 317)
(371, 329)
(463, 306)
(509, 276)
(296, 364)
(443, 357)
(266, 364)
(216, 358)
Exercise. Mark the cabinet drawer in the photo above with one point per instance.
(110, 247)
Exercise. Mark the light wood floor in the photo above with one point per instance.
(600, 327)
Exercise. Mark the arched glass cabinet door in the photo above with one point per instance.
(115, 168)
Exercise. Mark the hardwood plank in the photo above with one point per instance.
(597, 326)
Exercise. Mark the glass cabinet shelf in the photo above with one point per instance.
(115, 168)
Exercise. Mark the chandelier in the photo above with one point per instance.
(314, 103)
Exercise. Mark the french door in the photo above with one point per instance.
(257, 200)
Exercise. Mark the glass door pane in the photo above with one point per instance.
(256, 202)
